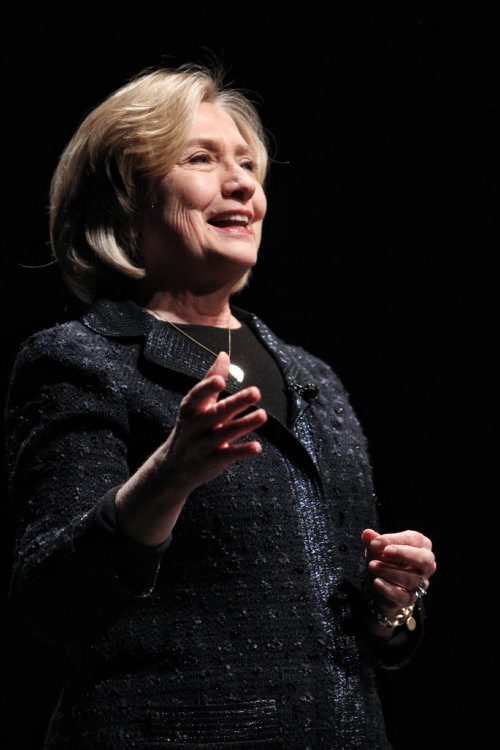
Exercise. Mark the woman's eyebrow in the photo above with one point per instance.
(216, 144)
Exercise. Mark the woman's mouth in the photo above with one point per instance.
(232, 221)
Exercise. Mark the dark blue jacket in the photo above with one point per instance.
(246, 630)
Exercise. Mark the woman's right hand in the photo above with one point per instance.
(199, 448)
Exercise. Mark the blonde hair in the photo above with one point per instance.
(108, 171)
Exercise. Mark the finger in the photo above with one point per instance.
(240, 427)
(391, 594)
(219, 367)
(408, 537)
(201, 405)
(408, 580)
(368, 536)
(202, 396)
(230, 407)
(230, 453)
(377, 546)
(418, 559)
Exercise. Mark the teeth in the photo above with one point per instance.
(231, 217)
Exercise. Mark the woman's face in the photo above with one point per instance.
(206, 226)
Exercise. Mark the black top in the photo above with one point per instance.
(259, 367)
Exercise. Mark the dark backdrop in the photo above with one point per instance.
(372, 257)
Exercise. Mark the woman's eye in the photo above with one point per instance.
(199, 159)
(249, 164)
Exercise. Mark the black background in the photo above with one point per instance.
(374, 253)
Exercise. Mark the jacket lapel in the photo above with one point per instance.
(162, 344)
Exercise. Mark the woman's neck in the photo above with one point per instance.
(207, 310)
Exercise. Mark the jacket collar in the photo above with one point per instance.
(165, 347)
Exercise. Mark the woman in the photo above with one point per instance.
(195, 501)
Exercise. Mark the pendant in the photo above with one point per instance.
(236, 372)
(411, 623)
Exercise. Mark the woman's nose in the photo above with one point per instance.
(238, 182)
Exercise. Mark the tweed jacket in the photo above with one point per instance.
(243, 631)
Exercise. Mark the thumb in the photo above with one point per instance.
(368, 536)
(219, 367)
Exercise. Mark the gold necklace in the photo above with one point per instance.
(234, 370)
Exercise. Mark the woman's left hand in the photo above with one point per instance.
(400, 566)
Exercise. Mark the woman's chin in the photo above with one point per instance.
(235, 264)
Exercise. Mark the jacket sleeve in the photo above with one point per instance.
(67, 435)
